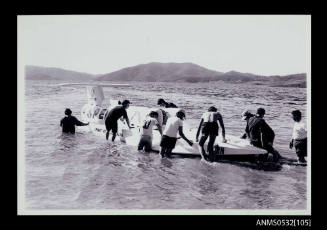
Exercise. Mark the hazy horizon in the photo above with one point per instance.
(258, 44)
(161, 63)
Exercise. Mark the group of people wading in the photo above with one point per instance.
(257, 130)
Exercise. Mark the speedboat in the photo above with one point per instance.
(95, 112)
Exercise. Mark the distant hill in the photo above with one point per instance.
(162, 72)
(168, 72)
(49, 73)
(293, 80)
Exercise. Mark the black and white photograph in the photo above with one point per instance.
(164, 114)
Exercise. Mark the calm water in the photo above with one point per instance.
(83, 171)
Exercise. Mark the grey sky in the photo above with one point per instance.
(260, 44)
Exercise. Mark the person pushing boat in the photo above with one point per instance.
(245, 117)
(113, 116)
(209, 127)
(168, 140)
(68, 122)
(260, 133)
(146, 132)
(163, 103)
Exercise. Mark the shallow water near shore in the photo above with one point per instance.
(83, 171)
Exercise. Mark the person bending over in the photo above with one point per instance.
(261, 135)
(146, 132)
(174, 125)
(209, 126)
(113, 116)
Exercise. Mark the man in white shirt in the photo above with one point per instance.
(146, 132)
(299, 137)
(174, 125)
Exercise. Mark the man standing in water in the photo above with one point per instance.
(299, 137)
(68, 122)
(174, 125)
(260, 133)
(113, 116)
(210, 129)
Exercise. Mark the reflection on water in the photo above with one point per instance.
(83, 171)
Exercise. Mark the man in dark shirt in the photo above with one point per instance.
(165, 104)
(260, 133)
(68, 123)
(113, 116)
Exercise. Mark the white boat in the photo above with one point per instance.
(94, 113)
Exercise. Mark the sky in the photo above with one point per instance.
(98, 44)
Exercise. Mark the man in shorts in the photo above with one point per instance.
(113, 116)
(210, 129)
(299, 136)
(168, 141)
(146, 132)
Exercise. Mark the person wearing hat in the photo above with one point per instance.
(299, 137)
(209, 127)
(68, 122)
(146, 132)
(113, 116)
(245, 117)
(168, 140)
(260, 133)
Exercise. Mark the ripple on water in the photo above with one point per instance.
(83, 171)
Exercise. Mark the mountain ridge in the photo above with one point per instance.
(165, 72)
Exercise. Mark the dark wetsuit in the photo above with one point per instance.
(170, 105)
(260, 133)
(113, 116)
(68, 124)
(210, 129)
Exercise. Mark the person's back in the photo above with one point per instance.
(171, 105)
(116, 113)
(68, 123)
(211, 116)
(254, 128)
(147, 127)
(261, 135)
(172, 126)
(260, 131)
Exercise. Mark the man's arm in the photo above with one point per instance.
(198, 132)
(221, 122)
(247, 132)
(127, 119)
(159, 128)
(61, 122)
(180, 129)
(79, 123)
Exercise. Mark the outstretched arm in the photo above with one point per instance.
(79, 123)
(198, 132)
(180, 129)
(221, 122)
